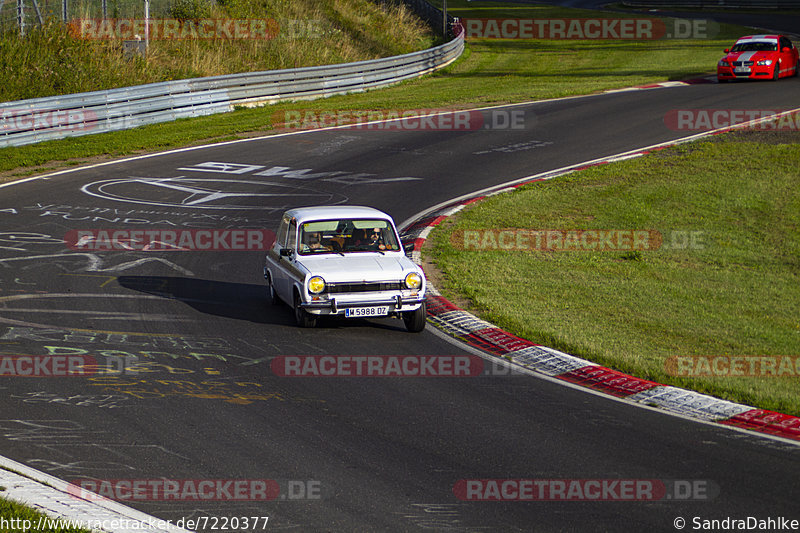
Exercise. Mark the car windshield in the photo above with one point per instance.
(756, 46)
(347, 236)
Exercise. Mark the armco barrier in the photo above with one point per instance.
(43, 119)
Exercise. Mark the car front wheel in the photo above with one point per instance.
(415, 320)
(301, 316)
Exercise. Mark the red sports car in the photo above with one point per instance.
(759, 57)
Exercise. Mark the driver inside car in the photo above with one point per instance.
(375, 240)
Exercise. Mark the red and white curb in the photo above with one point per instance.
(57, 499)
(665, 84)
(487, 337)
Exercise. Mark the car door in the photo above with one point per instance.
(289, 263)
(788, 58)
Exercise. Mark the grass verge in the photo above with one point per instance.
(732, 291)
(23, 519)
(53, 59)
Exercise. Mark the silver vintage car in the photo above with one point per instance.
(345, 261)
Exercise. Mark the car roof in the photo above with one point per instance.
(748, 38)
(328, 212)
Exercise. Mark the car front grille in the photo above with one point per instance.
(339, 288)
(742, 63)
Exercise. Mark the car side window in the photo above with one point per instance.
(291, 240)
(280, 238)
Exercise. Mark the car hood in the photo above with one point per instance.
(359, 267)
(749, 56)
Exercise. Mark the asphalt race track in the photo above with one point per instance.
(199, 401)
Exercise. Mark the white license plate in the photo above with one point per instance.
(741, 70)
(355, 312)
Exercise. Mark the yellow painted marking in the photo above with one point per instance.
(109, 280)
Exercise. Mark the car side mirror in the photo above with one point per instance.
(286, 252)
(727, 50)
(408, 247)
(785, 50)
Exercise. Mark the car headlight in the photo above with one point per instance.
(764, 62)
(413, 280)
(316, 285)
(723, 63)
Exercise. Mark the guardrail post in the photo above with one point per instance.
(146, 26)
(444, 18)
(21, 17)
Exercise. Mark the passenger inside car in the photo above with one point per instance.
(312, 241)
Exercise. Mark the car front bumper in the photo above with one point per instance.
(337, 306)
(754, 72)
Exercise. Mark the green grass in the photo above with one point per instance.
(20, 513)
(52, 60)
(734, 293)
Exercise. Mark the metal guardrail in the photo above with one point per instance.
(40, 119)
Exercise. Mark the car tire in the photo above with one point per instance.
(776, 72)
(272, 296)
(415, 320)
(301, 316)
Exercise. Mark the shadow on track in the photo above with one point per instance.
(239, 301)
